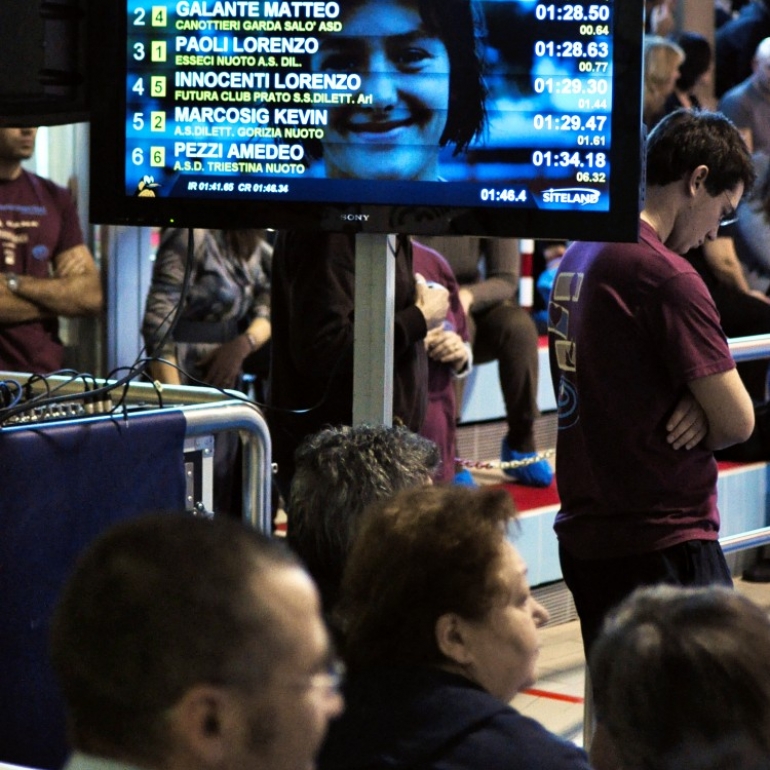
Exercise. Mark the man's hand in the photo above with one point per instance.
(433, 301)
(688, 424)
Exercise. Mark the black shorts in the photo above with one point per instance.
(597, 585)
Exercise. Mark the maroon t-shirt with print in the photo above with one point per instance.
(38, 221)
(630, 325)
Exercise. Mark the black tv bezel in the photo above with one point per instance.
(44, 60)
(109, 203)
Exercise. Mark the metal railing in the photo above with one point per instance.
(748, 349)
(206, 411)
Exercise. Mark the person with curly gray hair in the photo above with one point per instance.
(339, 472)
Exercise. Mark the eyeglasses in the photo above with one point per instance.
(331, 680)
(328, 682)
(731, 216)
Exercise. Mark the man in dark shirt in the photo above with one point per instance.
(646, 387)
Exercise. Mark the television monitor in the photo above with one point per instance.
(477, 117)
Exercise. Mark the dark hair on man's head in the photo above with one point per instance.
(339, 472)
(155, 606)
(697, 52)
(686, 139)
(684, 672)
(424, 553)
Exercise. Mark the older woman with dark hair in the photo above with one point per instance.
(440, 633)
(681, 679)
(421, 87)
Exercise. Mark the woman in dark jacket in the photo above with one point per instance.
(440, 633)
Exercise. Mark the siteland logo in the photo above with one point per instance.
(355, 217)
(581, 195)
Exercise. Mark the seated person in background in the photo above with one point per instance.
(751, 232)
(224, 323)
(748, 103)
(339, 472)
(185, 643)
(723, 12)
(662, 59)
(227, 315)
(681, 679)
(440, 633)
(742, 311)
(487, 270)
(449, 358)
(736, 41)
(695, 73)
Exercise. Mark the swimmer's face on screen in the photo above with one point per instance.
(404, 69)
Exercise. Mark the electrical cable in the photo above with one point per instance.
(97, 394)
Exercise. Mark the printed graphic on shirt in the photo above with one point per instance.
(566, 291)
(16, 222)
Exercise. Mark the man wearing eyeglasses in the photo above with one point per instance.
(191, 644)
(646, 386)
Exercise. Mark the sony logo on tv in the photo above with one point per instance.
(355, 217)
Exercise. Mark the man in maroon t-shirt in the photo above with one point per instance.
(647, 388)
(47, 271)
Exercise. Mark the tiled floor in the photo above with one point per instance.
(556, 700)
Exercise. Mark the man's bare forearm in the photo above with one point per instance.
(15, 309)
(76, 295)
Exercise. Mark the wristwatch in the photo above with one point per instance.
(12, 282)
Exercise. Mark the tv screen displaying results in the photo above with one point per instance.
(487, 117)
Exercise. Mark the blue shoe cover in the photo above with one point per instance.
(539, 474)
(464, 478)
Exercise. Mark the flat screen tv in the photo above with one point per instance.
(476, 117)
